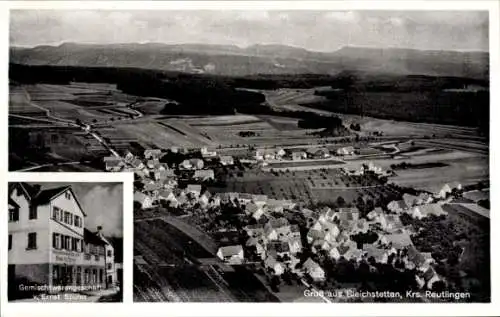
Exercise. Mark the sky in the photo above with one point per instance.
(102, 202)
(313, 30)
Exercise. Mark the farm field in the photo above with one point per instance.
(466, 168)
(166, 250)
(306, 164)
(308, 187)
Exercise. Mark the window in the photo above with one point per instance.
(56, 241)
(109, 266)
(94, 276)
(67, 242)
(66, 217)
(74, 244)
(55, 274)
(70, 274)
(78, 275)
(109, 253)
(78, 221)
(67, 195)
(96, 257)
(13, 214)
(33, 212)
(101, 276)
(31, 241)
(10, 241)
(56, 213)
(87, 276)
(70, 219)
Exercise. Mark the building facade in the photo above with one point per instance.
(48, 242)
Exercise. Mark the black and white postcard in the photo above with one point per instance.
(281, 152)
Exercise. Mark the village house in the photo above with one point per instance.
(205, 152)
(294, 231)
(168, 196)
(265, 154)
(314, 235)
(318, 153)
(273, 265)
(113, 163)
(429, 277)
(258, 244)
(278, 249)
(194, 189)
(259, 200)
(313, 269)
(347, 150)
(244, 198)
(161, 175)
(375, 214)
(144, 200)
(255, 230)
(347, 214)
(390, 223)
(379, 255)
(299, 155)
(410, 200)
(195, 163)
(424, 198)
(396, 240)
(423, 211)
(327, 215)
(254, 211)
(397, 206)
(204, 174)
(295, 245)
(360, 226)
(279, 205)
(137, 164)
(447, 189)
(128, 156)
(231, 254)
(152, 153)
(226, 160)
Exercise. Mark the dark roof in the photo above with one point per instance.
(45, 196)
(13, 203)
(92, 238)
(28, 189)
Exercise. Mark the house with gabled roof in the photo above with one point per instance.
(273, 265)
(349, 214)
(278, 248)
(397, 240)
(295, 245)
(226, 160)
(144, 200)
(375, 214)
(232, 254)
(255, 230)
(204, 174)
(194, 189)
(379, 255)
(313, 269)
(397, 206)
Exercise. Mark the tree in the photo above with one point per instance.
(340, 201)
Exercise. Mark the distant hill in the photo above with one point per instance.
(257, 59)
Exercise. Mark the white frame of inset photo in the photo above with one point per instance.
(126, 179)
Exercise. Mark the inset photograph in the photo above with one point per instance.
(65, 242)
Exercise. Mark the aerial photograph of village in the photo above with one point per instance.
(279, 156)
